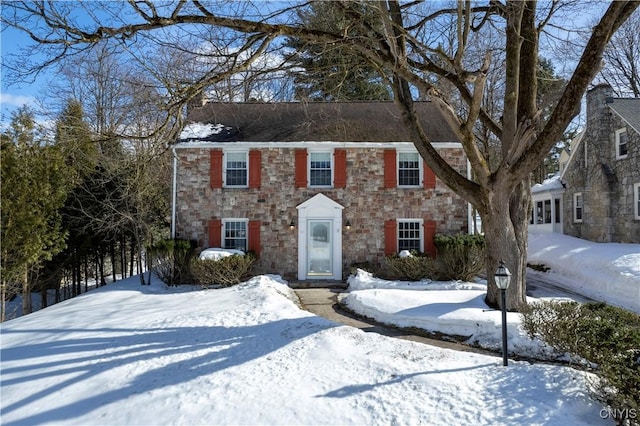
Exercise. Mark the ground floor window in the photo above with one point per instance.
(235, 234)
(577, 207)
(410, 234)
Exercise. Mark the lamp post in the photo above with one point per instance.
(503, 279)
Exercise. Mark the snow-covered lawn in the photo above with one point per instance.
(127, 354)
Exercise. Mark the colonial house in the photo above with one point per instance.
(312, 188)
(598, 188)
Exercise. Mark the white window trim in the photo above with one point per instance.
(224, 230)
(421, 227)
(224, 168)
(617, 144)
(636, 200)
(420, 169)
(575, 211)
(333, 168)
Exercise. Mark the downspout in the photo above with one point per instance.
(174, 191)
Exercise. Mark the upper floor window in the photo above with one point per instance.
(234, 233)
(320, 171)
(410, 234)
(409, 169)
(621, 143)
(236, 170)
(577, 207)
(636, 200)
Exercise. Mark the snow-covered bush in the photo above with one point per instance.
(222, 270)
(607, 336)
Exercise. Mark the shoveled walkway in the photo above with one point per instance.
(323, 301)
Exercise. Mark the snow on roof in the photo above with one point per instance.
(202, 131)
(551, 184)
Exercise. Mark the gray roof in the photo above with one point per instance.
(629, 110)
(319, 121)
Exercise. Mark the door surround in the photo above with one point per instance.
(320, 207)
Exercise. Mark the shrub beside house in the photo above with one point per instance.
(313, 188)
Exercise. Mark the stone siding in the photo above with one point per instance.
(606, 183)
(367, 204)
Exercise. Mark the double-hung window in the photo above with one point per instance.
(234, 233)
(410, 234)
(409, 169)
(236, 169)
(578, 202)
(621, 143)
(320, 170)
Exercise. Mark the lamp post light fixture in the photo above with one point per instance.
(503, 279)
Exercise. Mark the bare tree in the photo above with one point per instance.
(398, 39)
(622, 59)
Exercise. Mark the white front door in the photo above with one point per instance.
(320, 239)
(319, 248)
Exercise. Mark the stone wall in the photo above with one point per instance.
(606, 183)
(367, 204)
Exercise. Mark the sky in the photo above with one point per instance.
(14, 96)
(128, 354)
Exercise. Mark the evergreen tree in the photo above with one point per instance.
(333, 73)
(34, 186)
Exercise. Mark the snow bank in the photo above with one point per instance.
(603, 271)
(363, 280)
(454, 308)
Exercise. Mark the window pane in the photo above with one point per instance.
(578, 206)
(409, 236)
(408, 169)
(623, 144)
(236, 169)
(320, 169)
(547, 211)
(235, 235)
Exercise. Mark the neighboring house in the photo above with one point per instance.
(546, 213)
(313, 187)
(602, 176)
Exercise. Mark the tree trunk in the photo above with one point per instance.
(26, 293)
(123, 255)
(3, 300)
(86, 272)
(112, 250)
(505, 229)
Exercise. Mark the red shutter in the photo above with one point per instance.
(390, 173)
(390, 237)
(215, 233)
(254, 236)
(429, 177)
(340, 164)
(215, 171)
(429, 234)
(301, 168)
(255, 168)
